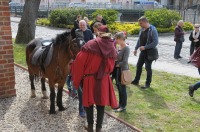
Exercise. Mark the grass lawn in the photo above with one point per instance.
(20, 54)
(166, 106)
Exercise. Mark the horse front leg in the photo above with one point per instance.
(44, 92)
(52, 100)
(59, 98)
(31, 78)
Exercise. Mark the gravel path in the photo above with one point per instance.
(23, 114)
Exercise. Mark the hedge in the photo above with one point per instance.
(109, 15)
(162, 18)
(63, 17)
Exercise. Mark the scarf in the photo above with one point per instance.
(195, 36)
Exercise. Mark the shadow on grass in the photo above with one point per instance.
(156, 101)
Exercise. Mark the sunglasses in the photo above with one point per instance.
(196, 27)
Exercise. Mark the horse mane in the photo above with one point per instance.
(60, 38)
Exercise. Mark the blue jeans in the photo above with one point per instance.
(177, 50)
(71, 89)
(197, 84)
(80, 98)
(121, 89)
(141, 61)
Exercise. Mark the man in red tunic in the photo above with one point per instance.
(92, 67)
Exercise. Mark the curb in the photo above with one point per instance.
(109, 114)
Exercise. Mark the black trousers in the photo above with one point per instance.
(90, 115)
(141, 61)
(192, 48)
(121, 89)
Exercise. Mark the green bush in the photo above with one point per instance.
(188, 26)
(163, 18)
(63, 17)
(109, 15)
(43, 21)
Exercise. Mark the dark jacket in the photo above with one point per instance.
(91, 26)
(152, 38)
(87, 35)
(76, 24)
(178, 34)
(196, 44)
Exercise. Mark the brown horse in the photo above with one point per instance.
(64, 49)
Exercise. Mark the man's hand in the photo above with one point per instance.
(142, 48)
(135, 52)
(117, 65)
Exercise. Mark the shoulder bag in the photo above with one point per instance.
(126, 77)
(152, 54)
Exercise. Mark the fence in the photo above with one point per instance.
(192, 16)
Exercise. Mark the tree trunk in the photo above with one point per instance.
(27, 25)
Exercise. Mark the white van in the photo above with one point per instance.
(143, 4)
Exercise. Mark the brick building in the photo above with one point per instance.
(7, 75)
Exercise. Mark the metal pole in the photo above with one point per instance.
(194, 17)
(48, 9)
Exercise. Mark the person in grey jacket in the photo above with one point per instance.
(148, 39)
(121, 64)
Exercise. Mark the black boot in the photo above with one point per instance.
(191, 91)
(89, 128)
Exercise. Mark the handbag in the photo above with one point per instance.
(152, 54)
(195, 58)
(126, 77)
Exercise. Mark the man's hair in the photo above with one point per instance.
(97, 25)
(143, 19)
(180, 21)
(82, 21)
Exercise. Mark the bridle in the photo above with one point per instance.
(72, 53)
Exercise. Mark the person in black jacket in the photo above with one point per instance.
(76, 22)
(76, 26)
(100, 19)
(194, 38)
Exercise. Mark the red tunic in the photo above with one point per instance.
(88, 63)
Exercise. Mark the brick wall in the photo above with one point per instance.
(7, 75)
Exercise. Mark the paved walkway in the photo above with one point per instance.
(166, 45)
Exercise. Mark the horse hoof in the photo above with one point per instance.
(52, 112)
(62, 109)
(33, 96)
(45, 97)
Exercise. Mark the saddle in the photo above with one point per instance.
(43, 54)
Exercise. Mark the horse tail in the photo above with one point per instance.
(29, 49)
